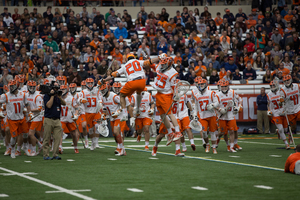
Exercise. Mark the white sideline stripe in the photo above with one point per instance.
(234, 156)
(70, 160)
(136, 145)
(25, 173)
(263, 187)
(27, 161)
(262, 143)
(134, 190)
(70, 192)
(111, 159)
(152, 158)
(78, 147)
(277, 156)
(4, 195)
(199, 188)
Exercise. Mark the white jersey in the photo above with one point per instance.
(164, 82)
(202, 100)
(180, 108)
(24, 89)
(273, 102)
(93, 100)
(133, 69)
(291, 96)
(145, 104)
(34, 101)
(223, 101)
(77, 98)
(112, 104)
(15, 104)
(68, 110)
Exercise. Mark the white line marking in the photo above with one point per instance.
(134, 190)
(25, 173)
(27, 161)
(80, 147)
(199, 188)
(234, 156)
(261, 143)
(4, 195)
(142, 146)
(152, 158)
(263, 187)
(111, 159)
(70, 192)
(70, 160)
(276, 156)
(29, 173)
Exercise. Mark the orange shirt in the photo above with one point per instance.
(260, 17)
(200, 71)
(163, 24)
(218, 21)
(288, 17)
(5, 40)
(227, 39)
(291, 161)
(197, 39)
(176, 59)
(172, 25)
(222, 74)
(30, 64)
(250, 23)
(118, 57)
(280, 31)
(93, 44)
(285, 71)
(246, 59)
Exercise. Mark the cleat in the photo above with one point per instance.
(278, 134)
(228, 148)
(97, 145)
(236, 146)
(207, 149)
(146, 148)
(92, 147)
(179, 154)
(7, 152)
(47, 158)
(124, 154)
(13, 155)
(287, 147)
(138, 139)
(177, 136)
(18, 153)
(116, 151)
(86, 144)
(76, 151)
(60, 150)
(120, 152)
(204, 145)
(154, 150)
(184, 149)
(193, 147)
(170, 138)
(232, 150)
(215, 151)
(28, 152)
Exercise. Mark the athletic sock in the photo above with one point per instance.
(207, 144)
(41, 139)
(155, 144)
(75, 147)
(177, 146)
(183, 145)
(39, 144)
(177, 129)
(146, 143)
(203, 141)
(170, 130)
(18, 148)
(30, 146)
(85, 137)
(227, 143)
(96, 140)
(235, 141)
(60, 146)
(285, 142)
(118, 146)
(192, 141)
(231, 145)
(214, 146)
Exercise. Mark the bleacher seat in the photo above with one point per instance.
(113, 28)
(141, 32)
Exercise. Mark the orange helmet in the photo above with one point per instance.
(287, 80)
(117, 87)
(130, 56)
(64, 89)
(90, 83)
(31, 86)
(73, 88)
(5, 88)
(13, 86)
(224, 86)
(165, 63)
(46, 82)
(83, 85)
(273, 86)
(104, 89)
(20, 81)
(202, 84)
(60, 80)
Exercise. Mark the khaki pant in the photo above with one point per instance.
(51, 126)
(262, 118)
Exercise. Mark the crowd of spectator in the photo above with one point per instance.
(79, 45)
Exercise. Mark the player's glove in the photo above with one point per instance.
(101, 82)
(1, 115)
(103, 117)
(151, 111)
(269, 113)
(235, 110)
(223, 111)
(40, 108)
(75, 117)
(83, 100)
(99, 106)
(115, 114)
(210, 107)
(25, 110)
(132, 122)
(176, 98)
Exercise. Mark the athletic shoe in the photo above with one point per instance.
(207, 149)
(28, 152)
(146, 148)
(228, 148)
(170, 138)
(124, 152)
(47, 158)
(184, 149)
(116, 151)
(204, 145)
(33, 153)
(232, 150)
(278, 134)
(60, 151)
(177, 136)
(154, 150)
(7, 152)
(236, 146)
(178, 153)
(193, 147)
(92, 147)
(97, 145)
(120, 152)
(86, 144)
(287, 147)
(138, 139)
(56, 158)
(76, 151)
(18, 153)
(215, 151)
(13, 155)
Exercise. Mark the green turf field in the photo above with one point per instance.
(100, 174)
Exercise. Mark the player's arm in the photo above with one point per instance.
(39, 104)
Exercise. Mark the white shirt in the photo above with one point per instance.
(133, 69)
(15, 104)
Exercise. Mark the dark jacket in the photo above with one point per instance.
(262, 102)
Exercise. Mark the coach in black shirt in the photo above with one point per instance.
(52, 104)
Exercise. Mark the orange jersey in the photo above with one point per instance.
(200, 71)
(288, 17)
(250, 23)
(218, 21)
(291, 161)
(284, 71)
(176, 60)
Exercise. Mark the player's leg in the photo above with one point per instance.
(213, 138)
(178, 134)
(32, 141)
(280, 130)
(40, 145)
(236, 135)
(147, 136)
(230, 128)
(162, 133)
(119, 140)
(123, 106)
(85, 135)
(204, 123)
(138, 101)
(74, 135)
(177, 147)
(7, 141)
(19, 144)
(191, 138)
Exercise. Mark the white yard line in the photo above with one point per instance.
(134, 190)
(4, 195)
(199, 188)
(70, 192)
(87, 190)
(263, 187)
(262, 143)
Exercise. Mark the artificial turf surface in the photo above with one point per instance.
(166, 177)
